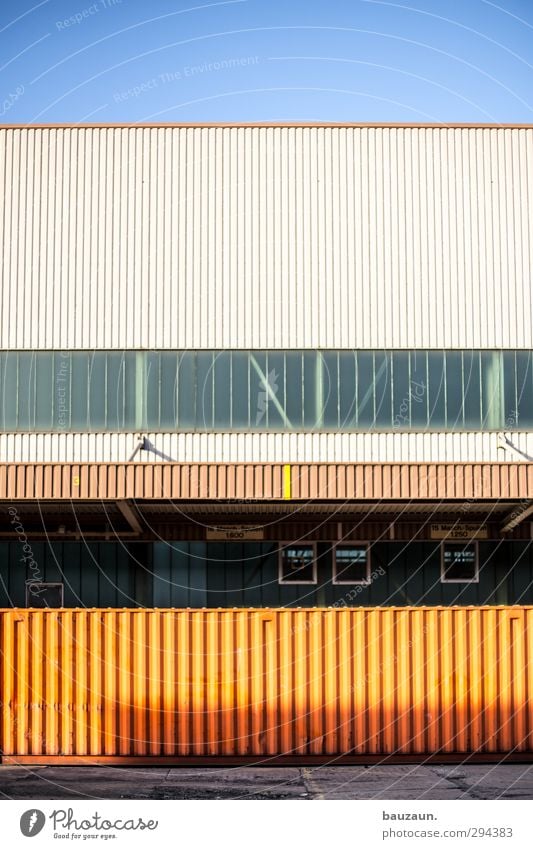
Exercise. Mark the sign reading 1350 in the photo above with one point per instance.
(456, 531)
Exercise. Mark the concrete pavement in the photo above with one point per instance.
(415, 781)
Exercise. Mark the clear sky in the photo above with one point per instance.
(251, 60)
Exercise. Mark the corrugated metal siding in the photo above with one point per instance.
(201, 574)
(94, 574)
(265, 481)
(266, 237)
(260, 448)
(250, 682)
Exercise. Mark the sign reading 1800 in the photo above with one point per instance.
(235, 532)
(455, 531)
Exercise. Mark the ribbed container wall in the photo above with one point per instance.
(266, 237)
(259, 683)
(262, 447)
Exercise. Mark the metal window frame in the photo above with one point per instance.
(361, 543)
(283, 546)
(475, 579)
(33, 583)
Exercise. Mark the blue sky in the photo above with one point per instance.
(250, 60)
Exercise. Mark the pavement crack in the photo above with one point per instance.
(309, 783)
(458, 782)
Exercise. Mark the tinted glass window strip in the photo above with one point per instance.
(274, 391)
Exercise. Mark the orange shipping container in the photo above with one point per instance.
(260, 683)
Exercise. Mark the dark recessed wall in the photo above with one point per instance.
(200, 574)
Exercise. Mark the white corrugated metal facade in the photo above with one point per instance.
(263, 447)
(286, 237)
(266, 238)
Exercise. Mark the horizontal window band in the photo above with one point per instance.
(266, 391)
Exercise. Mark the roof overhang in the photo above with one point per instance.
(143, 500)
(268, 481)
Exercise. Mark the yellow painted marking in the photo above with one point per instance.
(287, 482)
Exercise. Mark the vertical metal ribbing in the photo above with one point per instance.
(154, 682)
(459, 658)
(388, 695)
(37, 671)
(505, 682)
(139, 676)
(228, 678)
(315, 687)
(256, 686)
(51, 689)
(96, 696)
(518, 701)
(264, 682)
(374, 677)
(111, 708)
(331, 664)
(270, 685)
(344, 623)
(242, 676)
(403, 684)
(490, 680)
(474, 666)
(169, 684)
(8, 683)
(210, 686)
(301, 625)
(528, 672)
(276, 204)
(184, 686)
(198, 679)
(124, 654)
(285, 634)
(22, 682)
(358, 680)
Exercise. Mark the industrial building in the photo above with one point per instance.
(266, 431)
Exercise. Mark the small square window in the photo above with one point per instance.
(39, 594)
(459, 563)
(351, 564)
(297, 564)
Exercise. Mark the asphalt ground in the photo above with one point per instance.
(415, 781)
